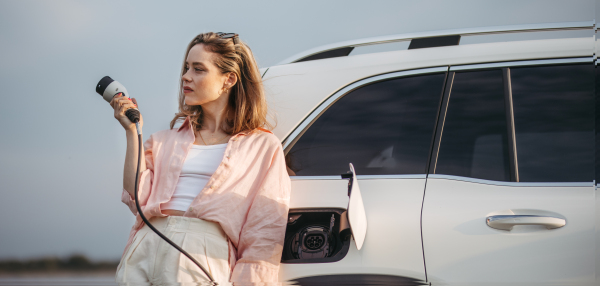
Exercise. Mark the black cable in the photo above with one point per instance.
(139, 209)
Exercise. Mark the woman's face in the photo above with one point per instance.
(202, 80)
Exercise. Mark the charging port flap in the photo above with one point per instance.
(357, 216)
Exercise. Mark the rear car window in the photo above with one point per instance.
(554, 122)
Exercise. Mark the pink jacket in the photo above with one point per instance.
(248, 195)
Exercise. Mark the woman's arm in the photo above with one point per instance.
(120, 105)
(131, 162)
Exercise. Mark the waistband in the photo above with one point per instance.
(187, 224)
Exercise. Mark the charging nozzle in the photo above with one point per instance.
(108, 88)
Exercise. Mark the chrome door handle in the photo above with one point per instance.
(506, 222)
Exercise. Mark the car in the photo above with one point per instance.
(464, 157)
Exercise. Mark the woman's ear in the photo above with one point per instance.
(231, 80)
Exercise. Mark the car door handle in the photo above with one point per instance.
(506, 222)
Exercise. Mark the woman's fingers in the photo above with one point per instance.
(116, 97)
(123, 106)
(120, 104)
(114, 101)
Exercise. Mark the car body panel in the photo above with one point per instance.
(460, 249)
(387, 250)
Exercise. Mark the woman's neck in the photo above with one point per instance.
(213, 122)
(215, 114)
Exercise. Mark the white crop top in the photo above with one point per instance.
(199, 165)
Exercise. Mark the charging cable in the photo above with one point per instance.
(108, 88)
(139, 209)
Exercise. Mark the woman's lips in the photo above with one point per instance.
(187, 90)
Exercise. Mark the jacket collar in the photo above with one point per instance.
(186, 124)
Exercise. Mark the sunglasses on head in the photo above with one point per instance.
(233, 36)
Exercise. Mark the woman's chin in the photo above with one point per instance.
(190, 101)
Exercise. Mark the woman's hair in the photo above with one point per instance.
(247, 103)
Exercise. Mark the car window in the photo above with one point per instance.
(554, 122)
(382, 128)
(597, 120)
(474, 142)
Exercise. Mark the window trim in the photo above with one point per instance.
(522, 63)
(439, 126)
(513, 165)
(511, 184)
(299, 130)
(359, 177)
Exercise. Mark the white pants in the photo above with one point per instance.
(150, 260)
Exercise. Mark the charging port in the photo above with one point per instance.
(316, 236)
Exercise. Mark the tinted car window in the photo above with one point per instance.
(554, 122)
(597, 129)
(474, 142)
(381, 128)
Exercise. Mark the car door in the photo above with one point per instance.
(510, 196)
(384, 126)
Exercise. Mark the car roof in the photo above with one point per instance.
(541, 27)
(294, 90)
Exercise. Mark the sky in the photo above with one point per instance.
(62, 151)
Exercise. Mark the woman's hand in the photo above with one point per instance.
(120, 104)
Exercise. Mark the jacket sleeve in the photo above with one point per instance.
(144, 181)
(262, 235)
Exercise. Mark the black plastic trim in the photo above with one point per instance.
(434, 42)
(437, 118)
(440, 124)
(341, 52)
(317, 210)
(357, 279)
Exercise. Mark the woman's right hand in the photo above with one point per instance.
(120, 104)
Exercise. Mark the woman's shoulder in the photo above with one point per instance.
(264, 134)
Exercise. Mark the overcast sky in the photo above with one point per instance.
(61, 150)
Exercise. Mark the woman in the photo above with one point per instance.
(216, 185)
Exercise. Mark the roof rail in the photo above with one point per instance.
(462, 32)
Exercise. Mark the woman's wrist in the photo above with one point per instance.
(131, 131)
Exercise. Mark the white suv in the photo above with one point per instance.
(476, 162)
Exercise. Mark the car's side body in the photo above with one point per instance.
(427, 225)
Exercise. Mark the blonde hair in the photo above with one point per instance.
(247, 101)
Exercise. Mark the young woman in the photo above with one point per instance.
(216, 185)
